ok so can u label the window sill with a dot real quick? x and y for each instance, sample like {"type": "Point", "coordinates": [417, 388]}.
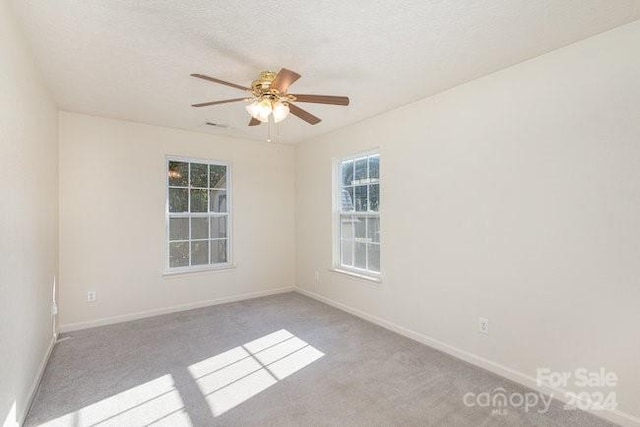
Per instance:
{"type": "Point", "coordinates": [354, 275]}
{"type": "Point", "coordinates": [197, 271]}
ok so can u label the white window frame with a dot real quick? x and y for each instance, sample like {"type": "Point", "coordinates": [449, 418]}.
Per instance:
{"type": "Point", "coordinates": [229, 214]}
{"type": "Point", "coordinates": [337, 214]}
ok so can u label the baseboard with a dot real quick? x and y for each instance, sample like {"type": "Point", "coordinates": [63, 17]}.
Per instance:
{"type": "Point", "coordinates": [173, 309]}
{"type": "Point", "coordinates": [36, 382]}
{"type": "Point", "coordinates": [614, 416]}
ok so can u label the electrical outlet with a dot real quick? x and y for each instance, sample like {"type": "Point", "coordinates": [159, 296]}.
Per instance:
{"type": "Point", "coordinates": [483, 326]}
{"type": "Point", "coordinates": [317, 276]}
{"type": "Point", "coordinates": [91, 296]}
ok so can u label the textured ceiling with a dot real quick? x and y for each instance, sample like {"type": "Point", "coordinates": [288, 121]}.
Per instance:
{"type": "Point", "coordinates": [131, 59]}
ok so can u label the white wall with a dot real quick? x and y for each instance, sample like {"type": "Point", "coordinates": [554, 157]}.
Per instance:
{"type": "Point", "coordinates": [514, 197]}
{"type": "Point", "coordinates": [28, 220]}
{"type": "Point", "coordinates": [112, 220]}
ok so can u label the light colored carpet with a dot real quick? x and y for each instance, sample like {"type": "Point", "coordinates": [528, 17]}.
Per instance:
{"type": "Point", "coordinates": [274, 361]}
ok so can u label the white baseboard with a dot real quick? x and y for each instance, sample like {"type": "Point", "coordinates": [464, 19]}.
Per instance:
{"type": "Point", "coordinates": [173, 309]}
{"type": "Point", "coordinates": [36, 381]}
{"type": "Point", "coordinates": [614, 416]}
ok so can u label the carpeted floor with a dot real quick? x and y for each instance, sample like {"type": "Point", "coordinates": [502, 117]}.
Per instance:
{"type": "Point", "coordinates": [273, 361]}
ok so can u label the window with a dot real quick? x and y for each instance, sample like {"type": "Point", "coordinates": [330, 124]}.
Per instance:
{"type": "Point", "coordinates": [357, 201]}
{"type": "Point", "coordinates": [197, 212]}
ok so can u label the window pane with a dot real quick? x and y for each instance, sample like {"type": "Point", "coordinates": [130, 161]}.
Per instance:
{"type": "Point", "coordinates": [218, 176]}
{"type": "Point", "coordinates": [198, 200]}
{"type": "Point", "coordinates": [374, 197]}
{"type": "Point", "coordinates": [178, 200]}
{"type": "Point", "coordinates": [178, 254]}
{"type": "Point", "coordinates": [373, 255]}
{"type": "Point", "coordinates": [218, 227]}
{"type": "Point", "coordinates": [347, 199]}
{"type": "Point", "coordinates": [178, 174]}
{"type": "Point", "coordinates": [218, 251]}
{"type": "Point", "coordinates": [360, 227]}
{"type": "Point", "coordinates": [218, 201]}
{"type": "Point", "coordinates": [179, 229]}
{"type": "Point", "coordinates": [200, 228]}
{"type": "Point", "coordinates": [360, 255]}
{"type": "Point", "coordinates": [347, 172]}
{"type": "Point", "coordinates": [346, 253]}
{"type": "Point", "coordinates": [346, 231]}
{"type": "Point", "coordinates": [361, 198]}
{"type": "Point", "coordinates": [200, 252]}
{"type": "Point", "coordinates": [373, 229]}
{"type": "Point", "coordinates": [199, 175]}
{"type": "Point", "coordinates": [361, 169]}
{"type": "Point", "coordinates": [374, 167]}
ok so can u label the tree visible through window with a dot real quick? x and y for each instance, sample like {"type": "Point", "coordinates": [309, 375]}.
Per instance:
{"type": "Point", "coordinates": [358, 216]}
{"type": "Point", "coordinates": [197, 213]}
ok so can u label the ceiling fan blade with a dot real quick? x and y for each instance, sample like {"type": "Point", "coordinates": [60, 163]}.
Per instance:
{"type": "Point", "coordinates": [323, 99]}
{"type": "Point", "coordinates": [224, 101]}
{"type": "Point", "coordinates": [254, 122]}
{"type": "Point", "coordinates": [284, 79]}
{"type": "Point", "coordinates": [222, 82]}
{"type": "Point", "coordinates": [304, 115]}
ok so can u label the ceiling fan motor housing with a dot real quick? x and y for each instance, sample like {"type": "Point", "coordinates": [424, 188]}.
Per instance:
{"type": "Point", "coordinates": [262, 85]}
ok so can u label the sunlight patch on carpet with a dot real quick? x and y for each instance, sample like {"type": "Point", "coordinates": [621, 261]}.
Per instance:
{"type": "Point", "coordinates": [155, 403]}
{"type": "Point", "coordinates": [233, 377]}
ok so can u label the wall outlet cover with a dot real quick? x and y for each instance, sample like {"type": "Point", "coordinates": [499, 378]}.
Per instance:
{"type": "Point", "coordinates": [483, 325]}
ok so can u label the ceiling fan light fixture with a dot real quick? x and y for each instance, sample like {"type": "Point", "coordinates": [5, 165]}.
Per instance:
{"type": "Point", "coordinates": [280, 111]}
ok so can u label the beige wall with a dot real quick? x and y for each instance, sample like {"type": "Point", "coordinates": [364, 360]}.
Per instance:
{"type": "Point", "coordinates": [28, 220]}
{"type": "Point", "coordinates": [112, 220]}
{"type": "Point", "coordinates": [514, 197]}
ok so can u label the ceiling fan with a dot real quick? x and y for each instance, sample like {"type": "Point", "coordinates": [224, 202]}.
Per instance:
{"type": "Point", "coordinates": [269, 97]}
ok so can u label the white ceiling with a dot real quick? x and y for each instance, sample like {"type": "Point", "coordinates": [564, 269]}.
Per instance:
{"type": "Point", "coordinates": [131, 59]}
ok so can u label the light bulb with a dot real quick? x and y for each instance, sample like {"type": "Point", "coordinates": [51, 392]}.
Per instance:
{"type": "Point", "coordinates": [280, 111]}
{"type": "Point", "coordinates": [264, 110]}
{"type": "Point", "coordinates": [254, 109]}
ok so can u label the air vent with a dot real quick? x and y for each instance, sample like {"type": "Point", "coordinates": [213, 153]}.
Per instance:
{"type": "Point", "coordinates": [217, 125]}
